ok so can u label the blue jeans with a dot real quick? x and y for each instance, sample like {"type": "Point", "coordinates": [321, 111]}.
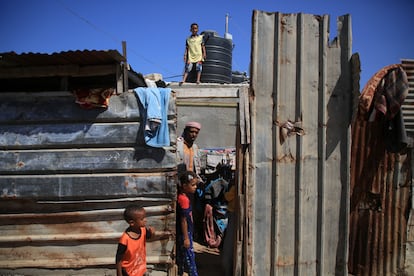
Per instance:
{"type": "Point", "coordinates": [189, 67]}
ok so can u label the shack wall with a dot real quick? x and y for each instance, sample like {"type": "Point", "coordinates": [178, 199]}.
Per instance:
{"type": "Point", "coordinates": [301, 109]}
{"type": "Point", "coordinates": [216, 107]}
{"type": "Point", "coordinates": [408, 108]}
{"type": "Point", "coordinates": [66, 175]}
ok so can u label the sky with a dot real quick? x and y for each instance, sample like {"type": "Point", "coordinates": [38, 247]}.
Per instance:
{"type": "Point", "coordinates": [155, 31]}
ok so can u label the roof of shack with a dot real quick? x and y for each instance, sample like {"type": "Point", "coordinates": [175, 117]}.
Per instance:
{"type": "Point", "coordinates": [40, 71]}
{"type": "Point", "coordinates": [85, 57]}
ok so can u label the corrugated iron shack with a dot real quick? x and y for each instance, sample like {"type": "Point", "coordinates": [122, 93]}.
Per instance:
{"type": "Point", "coordinates": [71, 160]}
{"type": "Point", "coordinates": [381, 223]}
{"type": "Point", "coordinates": [310, 202]}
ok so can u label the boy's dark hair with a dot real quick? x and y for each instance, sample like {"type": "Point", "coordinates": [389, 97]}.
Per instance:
{"type": "Point", "coordinates": [186, 177]}
{"type": "Point", "coordinates": [130, 210]}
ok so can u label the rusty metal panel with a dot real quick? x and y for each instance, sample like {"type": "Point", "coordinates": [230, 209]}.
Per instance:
{"type": "Point", "coordinates": [380, 187]}
{"type": "Point", "coordinates": [299, 175]}
{"type": "Point", "coordinates": [408, 112]}
{"type": "Point", "coordinates": [66, 175]}
{"type": "Point", "coordinates": [408, 105]}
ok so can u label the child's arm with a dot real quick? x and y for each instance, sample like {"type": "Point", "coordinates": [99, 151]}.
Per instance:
{"type": "Point", "coordinates": [118, 269]}
{"type": "Point", "coordinates": [185, 232]}
{"type": "Point", "coordinates": [151, 233]}
{"type": "Point", "coordinates": [154, 234]}
{"type": "Point", "coordinates": [203, 48]}
{"type": "Point", "coordinates": [118, 259]}
{"type": "Point", "coordinates": [185, 53]}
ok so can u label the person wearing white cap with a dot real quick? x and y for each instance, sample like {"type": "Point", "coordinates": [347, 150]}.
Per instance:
{"type": "Point", "coordinates": [187, 150]}
{"type": "Point", "coordinates": [188, 159]}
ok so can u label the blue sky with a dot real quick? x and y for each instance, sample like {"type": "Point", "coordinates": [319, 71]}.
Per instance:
{"type": "Point", "coordinates": [155, 31]}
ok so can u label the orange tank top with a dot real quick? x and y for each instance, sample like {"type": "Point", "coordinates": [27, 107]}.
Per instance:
{"type": "Point", "coordinates": [134, 261]}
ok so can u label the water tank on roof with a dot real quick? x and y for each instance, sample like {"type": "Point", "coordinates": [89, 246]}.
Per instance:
{"type": "Point", "coordinates": [217, 67]}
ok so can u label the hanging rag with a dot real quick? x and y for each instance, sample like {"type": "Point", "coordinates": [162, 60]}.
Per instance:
{"type": "Point", "coordinates": [154, 109]}
{"type": "Point", "coordinates": [386, 93]}
{"type": "Point", "coordinates": [212, 238]}
{"type": "Point", "coordinates": [89, 98]}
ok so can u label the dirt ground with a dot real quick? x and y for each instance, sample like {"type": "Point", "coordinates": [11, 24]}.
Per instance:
{"type": "Point", "coordinates": [208, 260]}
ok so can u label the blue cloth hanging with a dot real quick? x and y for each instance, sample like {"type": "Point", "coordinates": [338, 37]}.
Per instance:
{"type": "Point", "coordinates": [155, 103]}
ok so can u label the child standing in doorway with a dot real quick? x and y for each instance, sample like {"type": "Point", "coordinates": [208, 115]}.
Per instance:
{"type": "Point", "coordinates": [185, 250]}
{"type": "Point", "coordinates": [131, 252]}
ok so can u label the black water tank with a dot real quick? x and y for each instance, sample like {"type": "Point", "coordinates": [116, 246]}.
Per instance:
{"type": "Point", "coordinates": [217, 67]}
{"type": "Point", "coordinates": [239, 77]}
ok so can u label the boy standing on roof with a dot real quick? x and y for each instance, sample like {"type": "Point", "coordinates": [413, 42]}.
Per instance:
{"type": "Point", "coordinates": [195, 53]}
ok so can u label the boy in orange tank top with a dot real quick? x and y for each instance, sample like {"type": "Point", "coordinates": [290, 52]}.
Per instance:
{"type": "Point", "coordinates": [131, 252]}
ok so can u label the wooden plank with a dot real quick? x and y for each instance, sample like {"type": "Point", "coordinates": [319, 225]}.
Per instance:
{"type": "Point", "coordinates": [140, 159]}
{"type": "Point", "coordinates": [202, 91]}
{"type": "Point", "coordinates": [244, 116]}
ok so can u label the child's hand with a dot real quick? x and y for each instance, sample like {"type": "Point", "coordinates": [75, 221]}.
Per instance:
{"type": "Point", "coordinates": [187, 243]}
{"type": "Point", "coordinates": [171, 235]}
{"type": "Point", "coordinates": [152, 231]}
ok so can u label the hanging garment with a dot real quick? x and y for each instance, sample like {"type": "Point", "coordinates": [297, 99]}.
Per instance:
{"type": "Point", "coordinates": [154, 111]}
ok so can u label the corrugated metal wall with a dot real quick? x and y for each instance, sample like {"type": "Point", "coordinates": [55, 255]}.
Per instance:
{"type": "Point", "coordinates": [298, 188]}
{"type": "Point", "coordinates": [66, 175]}
{"type": "Point", "coordinates": [408, 105]}
{"type": "Point", "coordinates": [380, 186]}
{"type": "Point", "coordinates": [408, 111]}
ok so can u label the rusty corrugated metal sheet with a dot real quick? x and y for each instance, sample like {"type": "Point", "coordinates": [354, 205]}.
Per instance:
{"type": "Point", "coordinates": [297, 192]}
{"type": "Point", "coordinates": [66, 175]}
{"type": "Point", "coordinates": [408, 111]}
{"type": "Point", "coordinates": [380, 188]}
{"type": "Point", "coordinates": [408, 105]}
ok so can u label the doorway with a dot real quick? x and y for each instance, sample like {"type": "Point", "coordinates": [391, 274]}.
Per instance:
{"type": "Point", "coordinates": [221, 111]}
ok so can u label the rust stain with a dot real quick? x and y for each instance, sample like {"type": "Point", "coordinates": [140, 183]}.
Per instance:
{"type": "Point", "coordinates": [285, 261]}
{"type": "Point", "coordinates": [378, 204]}
{"type": "Point", "coordinates": [287, 158]}
{"type": "Point", "coordinates": [20, 164]}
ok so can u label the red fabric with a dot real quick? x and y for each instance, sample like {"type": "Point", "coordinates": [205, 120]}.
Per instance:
{"type": "Point", "coordinates": [134, 260]}
{"type": "Point", "coordinates": [212, 239]}
{"type": "Point", "coordinates": [183, 201]}
{"type": "Point", "coordinates": [93, 98]}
